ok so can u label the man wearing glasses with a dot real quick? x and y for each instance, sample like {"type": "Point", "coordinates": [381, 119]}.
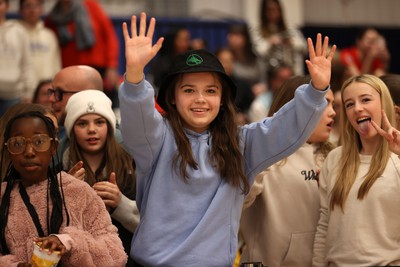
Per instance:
{"type": "Point", "coordinates": [67, 82]}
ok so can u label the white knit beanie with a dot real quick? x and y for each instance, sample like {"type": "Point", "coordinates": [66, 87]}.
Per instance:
{"type": "Point", "coordinates": [88, 102]}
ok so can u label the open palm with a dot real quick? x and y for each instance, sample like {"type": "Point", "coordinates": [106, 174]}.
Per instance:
{"type": "Point", "coordinates": [139, 49]}
{"type": "Point", "coordinates": [319, 64]}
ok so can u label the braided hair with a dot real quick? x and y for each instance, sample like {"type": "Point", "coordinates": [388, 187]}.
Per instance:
{"type": "Point", "coordinates": [55, 193]}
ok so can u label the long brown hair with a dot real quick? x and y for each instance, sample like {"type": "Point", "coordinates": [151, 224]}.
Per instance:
{"type": "Point", "coordinates": [225, 150]}
{"type": "Point", "coordinates": [350, 160]}
{"type": "Point", "coordinates": [116, 159]}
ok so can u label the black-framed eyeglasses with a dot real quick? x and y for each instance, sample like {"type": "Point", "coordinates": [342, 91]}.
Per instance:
{"type": "Point", "coordinates": [17, 144]}
{"type": "Point", "coordinates": [58, 93]}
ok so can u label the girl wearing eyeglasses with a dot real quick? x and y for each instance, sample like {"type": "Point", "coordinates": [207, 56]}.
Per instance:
{"type": "Point", "coordinates": [58, 211]}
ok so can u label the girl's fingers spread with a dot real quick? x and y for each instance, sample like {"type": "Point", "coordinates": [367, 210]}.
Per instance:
{"type": "Point", "coordinates": [311, 51]}
{"type": "Point", "coordinates": [125, 31]}
{"type": "Point", "coordinates": [150, 31]}
{"type": "Point", "coordinates": [381, 132]}
{"type": "Point", "coordinates": [386, 122]}
{"type": "Point", "coordinates": [142, 26]}
{"type": "Point", "coordinates": [377, 128]}
{"type": "Point", "coordinates": [309, 66]}
{"type": "Point", "coordinates": [133, 26]}
{"type": "Point", "coordinates": [325, 46]}
{"type": "Point", "coordinates": [332, 52]}
{"type": "Point", "coordinates": [158, 45]}
{"type": "Point", "coordinates": [318, 45]}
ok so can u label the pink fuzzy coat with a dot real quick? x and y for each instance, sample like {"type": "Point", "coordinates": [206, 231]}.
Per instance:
{"type": "Point", "coordinates": [90, 239]}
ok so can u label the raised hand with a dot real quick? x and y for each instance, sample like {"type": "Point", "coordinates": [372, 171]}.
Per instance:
{"type": "Point", "coordinates": [319, 64]}
{"type": "Point", "coordinates": [139, 49]}
{"type": "Point", "coordinates": [109, 192]}
{"type": "Point", "coordinates": [390, 133]}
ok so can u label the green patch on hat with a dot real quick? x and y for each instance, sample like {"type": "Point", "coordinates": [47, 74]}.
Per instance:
{"type": "Point", "coordinates": [193, 60]}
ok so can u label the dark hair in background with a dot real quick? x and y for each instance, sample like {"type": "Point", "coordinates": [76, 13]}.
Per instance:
{"type": "Point", "coordinates": [338, 75]}
{"type": "Point", "coordinates": [273, 72]}
{"type": "Point", "coordinates": [392, 81]}
{"type": "Point", "coordinates": [248, 49]}
{"type": "Point", "coordinates": [168, 47]}
{"type": "Point", "coordinates": [225, 150]}
{"type": "Point", "coordinates": [264, 19]}
{"type": "Point", "coordinates": [362, 31]}
{"type": "Point", "coordinates": [21, 2]}
{"type": "Point", "coordinates": [286, 92]}
{"type": "Point", "coordinates": [55, 191]}
{"type": "Point", "coordinates": [37, 89]}
{"type": "Point", "coordinates": [162, 62]}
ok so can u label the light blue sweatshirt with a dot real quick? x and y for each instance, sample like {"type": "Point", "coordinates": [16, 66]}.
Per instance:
{"type": "Point", "coordinates": [195, 223]}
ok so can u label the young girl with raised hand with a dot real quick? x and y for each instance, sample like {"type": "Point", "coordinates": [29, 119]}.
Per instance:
{"type": "Point", "coordinates": [195, 165]}
{"type": "Point", "coordinates": [61, 212]}
{"type": "Point", "coordinates": [359, 182]}
{"type": "Point", "coordinates": [90, 125]}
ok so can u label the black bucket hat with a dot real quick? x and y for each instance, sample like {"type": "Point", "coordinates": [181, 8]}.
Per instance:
{"type": "Point", "coordinates": [190, 62]}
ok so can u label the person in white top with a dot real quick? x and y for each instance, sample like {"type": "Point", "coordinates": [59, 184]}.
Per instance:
{"type": "Point", "coordinates": [282, 209]}
{"type": "Point", "coordinates": [17, 79]}
{"type": "Point", "coordinates": [44, 50]}
{"type": "Point", "coordinates": [359, 221]}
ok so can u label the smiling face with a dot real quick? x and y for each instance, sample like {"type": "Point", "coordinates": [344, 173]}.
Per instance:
{"type": "Point", "coordinates": [31, 164]}
{"type": "Point", "coordinates": [91, 133]}
{"type": "Point", "coordinates": [198, 99]}
{"type": "Point", "coordinates": [324, 127]}
{"type": "Point", "coordinates": [362, 104]}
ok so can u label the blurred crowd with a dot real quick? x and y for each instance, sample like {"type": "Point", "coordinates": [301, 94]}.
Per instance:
{"type": "Point", "coordinates": [63, 59]}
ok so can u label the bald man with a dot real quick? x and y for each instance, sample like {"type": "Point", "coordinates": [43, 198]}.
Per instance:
{"type": "Point", "coordinates": [69, 81]}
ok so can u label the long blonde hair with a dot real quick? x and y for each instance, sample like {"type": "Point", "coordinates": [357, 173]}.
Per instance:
{"type": "Point", "coordinates": [350, 160]}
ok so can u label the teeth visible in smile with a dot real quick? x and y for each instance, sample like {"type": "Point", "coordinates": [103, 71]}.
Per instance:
{"type": "Point", "coordinates": [198, 109]}
{"type": "Point", "coordinates": [363, 119]}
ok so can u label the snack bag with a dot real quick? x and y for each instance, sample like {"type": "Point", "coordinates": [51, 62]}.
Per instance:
{"type": "Point", "coordinates": [42, 258]}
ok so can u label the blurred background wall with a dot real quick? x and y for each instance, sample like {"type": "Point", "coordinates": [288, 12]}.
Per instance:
{"type": "Point", "coordinates": [209, 19]}
{"type": "Point", "coordinates": [300, 12]}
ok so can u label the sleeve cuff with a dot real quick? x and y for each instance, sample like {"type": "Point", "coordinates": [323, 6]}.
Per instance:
{"type": "Point", "coordinates": [127, 213]}
{"type": "Point", "coordinates": [66, 240]}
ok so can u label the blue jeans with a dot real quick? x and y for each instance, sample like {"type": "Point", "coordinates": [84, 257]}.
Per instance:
{"type": "Point", "coordinates": [7, 103]}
